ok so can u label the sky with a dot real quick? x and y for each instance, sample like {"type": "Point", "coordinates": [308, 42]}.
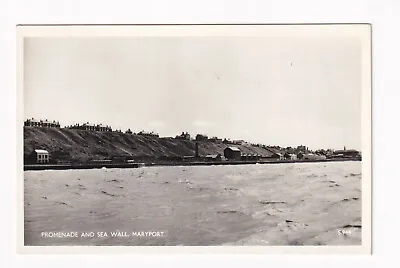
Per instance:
{"type": "Point", "coordinates": [285, 91]}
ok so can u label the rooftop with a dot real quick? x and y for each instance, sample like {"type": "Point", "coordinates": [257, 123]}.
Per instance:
{"type": "Point", "coordinates": [234, 149]}
{"type": "Point", "coordinates": [89, 124]}
{"type": "Point", "coordinates": [40, 151]}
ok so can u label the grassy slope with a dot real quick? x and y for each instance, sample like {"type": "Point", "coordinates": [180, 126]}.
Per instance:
{"type": "Point", "coordinates": [81, 145]}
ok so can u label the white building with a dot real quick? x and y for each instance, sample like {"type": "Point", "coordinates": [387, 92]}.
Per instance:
{"type": "Point", "coordinates": [42, 156]}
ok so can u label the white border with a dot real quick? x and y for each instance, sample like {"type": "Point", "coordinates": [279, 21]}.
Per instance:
{"type": "Point", "coordinates": [361, 31]}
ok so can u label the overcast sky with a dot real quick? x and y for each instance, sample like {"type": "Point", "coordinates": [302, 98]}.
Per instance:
{"type": "Point", "coordinates": [282, 91]}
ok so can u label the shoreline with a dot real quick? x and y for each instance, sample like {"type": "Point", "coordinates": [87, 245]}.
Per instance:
{"type": "Point", "coordinates": [33, 167]}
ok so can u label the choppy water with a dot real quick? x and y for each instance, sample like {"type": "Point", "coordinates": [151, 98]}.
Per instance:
{"type": "Point", "coordinates": [280, 204]}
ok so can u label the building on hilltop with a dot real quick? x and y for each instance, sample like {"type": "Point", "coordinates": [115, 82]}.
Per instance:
{"type": "Point", "coordinates": [183, 136]}
{"type": "Point", "coordinates": [232, 153]}
{"type": "Point", "coordinates": [201, 137]}
{"type": "Point", "coordinates": [215, 139]}
{"type": "Point", "coordinates": [76, 126]}
{"type": "Point", "coordinates": [47, 123]}
{"type": "Point", "coordinates": [228, 141]}
{"type": "Point", "coordinates": [32, 123]}
{"type": "Point", "coordinates": [148, 134]}
{"type": "Point", "coordinates": [41, 123]}
{"type": "Point", "coordinates": [102, 128]}
{"type": "Point", "coordinates": [88, 126]}
{"type": "Point", "coordinates": [91, 127]}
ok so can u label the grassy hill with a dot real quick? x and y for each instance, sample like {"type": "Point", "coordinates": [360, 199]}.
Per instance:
{"type": "Point", "coordinates": [83, 145]}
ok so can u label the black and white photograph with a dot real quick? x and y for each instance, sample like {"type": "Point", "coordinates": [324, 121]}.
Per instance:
{"type": "Point", "coordinates": [196, 135]}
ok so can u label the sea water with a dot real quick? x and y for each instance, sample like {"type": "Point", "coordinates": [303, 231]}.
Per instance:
{"type": "Point", "coordinates": [269, 204]}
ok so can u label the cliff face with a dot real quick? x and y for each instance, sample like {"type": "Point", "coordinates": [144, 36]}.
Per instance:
{"type": "Point", "coordinates": [84, 145]}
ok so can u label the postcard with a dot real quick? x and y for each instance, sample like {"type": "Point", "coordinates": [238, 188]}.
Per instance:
{"type": "Point", "coordinates": [194, 138]}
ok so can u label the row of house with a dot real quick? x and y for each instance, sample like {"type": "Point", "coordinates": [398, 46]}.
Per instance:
{"type": "Point", "coordinates": [198, 137]}
{"type": "Point", "coordinates": [85, 126]}
{"type": "Point", "coordinates": [32, 122]}
{"type": "Point", "coordinates": [141, 133]}
{"type": "Point", "coordinates": [106, 128]}
{"type": "Point", "coordinates": [91, 127]}
{"type": "Point", "coordinates": [148, 134]}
